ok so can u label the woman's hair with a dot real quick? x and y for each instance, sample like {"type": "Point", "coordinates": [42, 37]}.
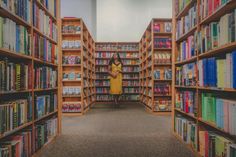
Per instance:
{"type": "Point", "coordinates": [112, 60]}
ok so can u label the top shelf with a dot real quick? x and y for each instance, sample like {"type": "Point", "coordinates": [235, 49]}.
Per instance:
{"type": "Point", "coordinates": [47, 12]}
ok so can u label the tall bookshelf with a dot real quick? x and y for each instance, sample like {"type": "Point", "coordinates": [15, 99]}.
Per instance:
{"type": "Point", "coordinates": [129, 54]}
{"type": "Point", "coordinates": [155, 68]}
{"type": "Point", "coordinates": [204, 93]}
{"type": "Point", "coordinates": [78, 67]}
{"type": "Point", "coordinates": [29, 70]}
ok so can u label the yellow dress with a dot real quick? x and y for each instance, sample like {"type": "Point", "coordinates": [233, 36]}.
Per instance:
{"type": "Point", "coordinates": [116, 83]}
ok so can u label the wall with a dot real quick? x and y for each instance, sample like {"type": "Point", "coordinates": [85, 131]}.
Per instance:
{"type": "Point", "coordinates": [126, 20]}
{"type": "Point", "coordinates": [85, 9]}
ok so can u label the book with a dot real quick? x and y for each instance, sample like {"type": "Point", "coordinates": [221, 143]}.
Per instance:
{"type": "Point", "coordinates": [44, 132]}
{"type": "Point", "coordinates": [73, 29]}
{"type": "Point", "coordinates": [162, 105]}
{"type": "Point", "coordinates": [71, 60]}
{"type": "Point", "coordinates": [180, 5]}
{"type": "Point", "coordinates": [45, 77]}
{"type": "Point", "coordinates": [72, 76]}
{"type": "Point", "coordinates": [186, 75]}
{"type": "Point", "coordinates": [186, 101]}
{"type": "Point", "coordinates": [50, 5]}
{"type": "Point", "coordinates": [14, 76]}
{"type": "Point", "coordinates": [71, 107]}
{"type": "Point", "coordinates": [14, 114]}
{"type": "Point", "coordinates": [162, 42]}
{"type": "Point", "coordinates": [71, 44]}
{"type": "Point", "coordinates": [17, 145]}
{"type": "Point", "coordinates": [45, 104]}
{"type": "Point", "coordinates": [14, 37]}
{"type": "Point", "coordinates": [187, 22]}
{"type": "Point", "coordinates": [212, 144]}
{"type": "Point", "coordinates": [187, 49]}
{"type": "Point", "coordinates": [19, 8]}
{"type": "Point", "coordinates": [187, 130]}
{"type": "Point", "coordinates": [162, 57]}
{"type": "Point", "coordinates": [44, 49]}
{"type": "Point", "coordinates": [44, 23]}
{"type": "Point", "coordinates": [71, 90]}
{"type": "Point", "coordinates": [162, 89]}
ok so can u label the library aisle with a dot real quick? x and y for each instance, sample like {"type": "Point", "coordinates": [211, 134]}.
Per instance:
{"type": "Point", "coordinates": [107, 132]}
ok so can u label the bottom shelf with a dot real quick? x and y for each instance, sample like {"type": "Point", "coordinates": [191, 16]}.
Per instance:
{"type": "Point", "coordinates": [71, 114]}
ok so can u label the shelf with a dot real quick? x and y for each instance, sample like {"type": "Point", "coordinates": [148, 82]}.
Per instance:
{"type": "Point", "coordinates": [36, 60]}
{"type": "Point", "coordinates": [71, 80]}
{"type": "Point", "coordinates": [162, 49]}
{"type": "Point", "coordinates": [220, 50]}
{"type": "Point", "coordinates": [193, 59]}
{"type": "Point", "coordinates": [186, 35]}
{"type": "Point", "coordinates": [162, 33]}
{"type": "Point", "coordinates": [15, 92]}
{"type": "Point", "coordinates": [47, 89]}
{"type": "Point", "coordinates": [186, 87]}
{"type": "Point", "coordinates": [69, 50]}
{"type": "Point", "coordinates": [15, 55]}
{"type": "Point", "coordinates": [71, 96]}
{"type": "Point", "coordinates": [217, 89]}
{"type": "Point", "coordinates": [45, 116]}
{"type": "Point", "coordinates": [162, 80]}
{"type": "Point", "coordinates": [186, 114]}
{"type": "Point", "coordinates": [15, 130]}
{"type": "Point", "coordinates": [72, 114]}
{"type": "Point", "coordinates": [43, 35]}
{"type": "Point", "coordinates": [47, 12]}
{"type": "Point", "coordinates": [185, 10]}
{"type": "Point", "coordinates": [162, 95]}
{"type": "Point", "coordinates": [5, 13]}
{"type": "Point", "coordinates": [71, 34]}
{"type": "Point", "coordinates": [222, 10]}
{"type": "Point", "coordinates": [72, 65]}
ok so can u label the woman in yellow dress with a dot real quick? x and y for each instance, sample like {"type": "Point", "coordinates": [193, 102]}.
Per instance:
{"type": "Point", "coordinates": [115, 72]}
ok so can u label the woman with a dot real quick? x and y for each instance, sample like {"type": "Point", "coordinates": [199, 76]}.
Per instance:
{"type": "Point", "coordinates": [115, 72]}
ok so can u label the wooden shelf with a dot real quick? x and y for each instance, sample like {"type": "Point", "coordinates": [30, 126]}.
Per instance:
{"type": "Point", "coordinates": [43, 35]}
{"type": "Point", "coordinates": [70, 50]}
{"type": "Point", "coordinates": [193, 59]}
{"type": "Point", "coordinates": [45, 116]}
{"type": "Point", "coordinates": [36, 60]}
{"type": "Point", "coordinates": [15, 55]}
{"type": "Point", "coordinates": [186, 9]}
{"type": "Point", "coordinates": [47, 12]}
{"type": "Point", "coordinates": [186, 35]}
{"type": "Point", "coordinates": [186, 114]}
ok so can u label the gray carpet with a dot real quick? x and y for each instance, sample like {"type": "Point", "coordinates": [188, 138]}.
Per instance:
{"type": "Point", "coordinates": [125, 132]}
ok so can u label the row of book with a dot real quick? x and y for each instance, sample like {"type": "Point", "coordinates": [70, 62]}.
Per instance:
{"type": "Point", "coordinates": [102, 83]}
{"type": "Point", "coordinates": [101, 90]}
{"type": "Point", "coordinates": [126, 69]}
{"type": "Point", "coordinates": [71, 60]}
{"type": "Point", "coordinates": [71, 107]}
{"type": "Point", "coordinates": [217, 33]}
{"type": "Point", "coordinates": [218, 72]}
{"type": "Point", "coordinates": [72, 76]}
{"type": "Point", "coordinates": [162, 89]}
{"type": "Point", "coordinates": [44, 132]}
{"type": "Point", "coordinates": [186, 75]}
{"type": "Point", "coordinates": [186, 101]}
{"type": "Point", "coordinates": [51, 6]}
{"type": "Point", "coordinates": [130, 83]}
{"type": "Point", "coordinates": [211, 144]}
{"type": "Point", "coordinates": [221, 112]}
{"type": "Point", "coordinates": [162, 27]}
{"type": "Point", "coordinates": [180, 5]}
{"type": "Point", "coordinates": [20, 8]}
{"type": "Point", "coordinates": [14, 76]}
{"type": "Point", "coordinates": [123, 98]}
{"type": "Point", "coordinates": [162, 105]}
{"type": "Point", "coordinates": [71, 28]}
{"type": "Point", "coordinates": [163, 74]}
{"type": "Point", "coordinates": [71, 44]}
{"type": "Point", "coordinates": [43, 22]}
{"type": "Point", "coordinates": [208, 7]}
{"type": "Point", "coordinates": [162, 43]}
{"type": "Point", "coordinates": [45, 104]}
{"type": "Point", "coordinates": [162, 57]}
{"type": "Point", "coordinates": [130, 76]}
{"type": "Point", "coordinates": [45, 77]}
{"type": "Point", "coordinates": [21, 144]}
{"type": "Point", "coordinates": [186, 23]}
{"type": "Point", "coordinates": [15, 114]}
{"type": "Point", "coordinates": [14, 37]}
{"type": "Point", "coordinates": [186, 130]}
{"type": "Point", "coordinates": [125, 62]}
{"type": "Point", "coordinates": [71, 90]}
{"type": "Point", "coordinates": [44, 49]}
{"type": "Point", "coordinates": [131, 90]}
{"type": "Point", "coordinates": [187, 48]}
{"type": "Point", "coordinates": [122, 55]}
{"type": "Point", "coordinates": [119, 47]}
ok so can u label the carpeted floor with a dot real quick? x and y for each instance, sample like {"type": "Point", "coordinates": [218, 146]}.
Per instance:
{"type": "Point", "coordinates": [125, 132]}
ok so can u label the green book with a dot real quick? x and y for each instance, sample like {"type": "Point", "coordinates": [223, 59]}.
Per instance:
{"type": "Point", "coordinates": [214, 34]}
{"type": "Point", "coordinates": [221, 145]}
{"type": "Point", "coordinates": [211, 109]}
{"type": "Point", "coordinates": [1, 32]}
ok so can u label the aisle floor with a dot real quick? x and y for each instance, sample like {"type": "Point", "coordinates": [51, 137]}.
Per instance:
{"type": "Point", "coordinates": [109, 132]}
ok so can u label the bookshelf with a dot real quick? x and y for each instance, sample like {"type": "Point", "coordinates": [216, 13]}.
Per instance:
{"type": "Point", "coordinates": [78, 67]}
{"type": "Point", "coordinates": [29, 75]}
{"type": "Point", "coordinates": [156, 66]}
{"type": "Point", "coordinates": [129, 54]}
{"type": "Point", "coordinates": [204, 75]}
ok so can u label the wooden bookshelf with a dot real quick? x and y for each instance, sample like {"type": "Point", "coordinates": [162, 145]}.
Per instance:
{"type": "Point", "coordinates": [151, 53]}
{"type": "Point", "coordinates": [33, 62]}
{"type": "Point", "coordinates": [81, 71]}
{"type": "Point", "coordinates": [223, 93]}
{"type": "Point", "coordinates": [129, 54]}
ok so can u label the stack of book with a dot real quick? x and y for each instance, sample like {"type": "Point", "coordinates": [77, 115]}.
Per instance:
{"type": "Point", "coordinates": [186, 75]}
{"type": "Point", "coordinates": [73, 107]}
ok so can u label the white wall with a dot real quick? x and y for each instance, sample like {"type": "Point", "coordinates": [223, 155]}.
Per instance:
{"type": "Point", "coordinates": [126, 20]}
{"type": "Point", "coordinates": [85, 9]}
